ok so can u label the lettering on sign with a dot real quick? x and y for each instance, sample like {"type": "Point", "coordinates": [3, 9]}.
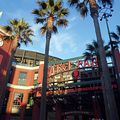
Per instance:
{"type": "Point", "coordinates": [62, 67]}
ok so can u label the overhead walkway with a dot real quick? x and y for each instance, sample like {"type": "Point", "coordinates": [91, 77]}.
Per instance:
{"type": "Point", "coordinates": [64, 88]}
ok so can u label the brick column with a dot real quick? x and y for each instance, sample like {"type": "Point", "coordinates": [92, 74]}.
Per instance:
{"type": "Point", "coordinates": [23, 107]}
{"type": "Point", "coordinates": [58, 113]}
{"type": "Point", "coordinates": [9, 105]}
{"type": "Point", "coordinates": [36, 110]}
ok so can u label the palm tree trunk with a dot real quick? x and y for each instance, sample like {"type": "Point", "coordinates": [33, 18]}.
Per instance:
{"type": "Point", "coordinates": [113, 57]}
{"type": "Point", "coordinates": [99, 65]}
{"type": "Point", "coordinates": [44, 82]}
{"type": "Point", "coordinates": [15, 43]}
{"type": "Point", "coordinates": [108, 94]}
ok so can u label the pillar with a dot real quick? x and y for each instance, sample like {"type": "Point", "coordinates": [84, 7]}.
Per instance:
{"type": "Point", "coordinates": [58, 112]}
{"type": "Point", "coordinates": [23, 107]}
{"type": "Point", "coordinates": [9, 105]}
{"type": "Point", "coordinates": [35, 110]}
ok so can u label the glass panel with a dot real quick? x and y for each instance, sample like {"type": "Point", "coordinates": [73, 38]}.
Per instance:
{"type": "Point", "coordinates": [17, 102]}
{"type": "Point", "coordinates": [22, 78]}
{"type": "Point", "coordinates": [36, 78]}
{"type": "Point", "coordinates": [30, 101]}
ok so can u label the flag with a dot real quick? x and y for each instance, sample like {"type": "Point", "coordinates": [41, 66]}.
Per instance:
{"type": "Point", "coordinates": [1, 13]}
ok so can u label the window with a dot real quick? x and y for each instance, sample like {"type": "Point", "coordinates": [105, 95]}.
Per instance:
{"type": "Point", "coordinates": [36, 78]}
{"type": "Point", "coordinates": [22, 78]}
{"type": "Point", "coordinates": [37, 62]}
{"type": "Point", "coordinates": [30, 101]}
{"type": "Point", "coordinates": [17, 102]}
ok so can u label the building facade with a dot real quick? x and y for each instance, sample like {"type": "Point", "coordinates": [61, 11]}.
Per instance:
{"type": "Point", "coordinates": [74, 89]}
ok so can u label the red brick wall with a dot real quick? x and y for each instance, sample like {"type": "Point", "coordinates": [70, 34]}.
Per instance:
{"type": "Point", "coordinates": [5, 53]}
{"type": "Point", "coordinates": [29, 82]}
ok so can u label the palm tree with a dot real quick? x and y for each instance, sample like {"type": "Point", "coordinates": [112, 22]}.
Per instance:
{"type": "Point", "coordinates": [92, 51]}
{"type": "Point", "coordinates": [116, 36]}
{"type": "Point", "coordinates": [109, 99]}
{"type": "Point", "coordinates": [51, 14]}
{"type": "Point", "coordinates": [20, 32]}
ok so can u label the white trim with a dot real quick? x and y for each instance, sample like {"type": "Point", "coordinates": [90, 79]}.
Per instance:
{"type": "Point", "coordinates": [26, 67]}
{"type": "Point", "coordinates": [41, 62]}
{"type": "Point", "coordinates": [1, 42]}
{"type": "Point", "coordinates": [3, 32]}
{"type": "Point", "coordinates": [23, 87]}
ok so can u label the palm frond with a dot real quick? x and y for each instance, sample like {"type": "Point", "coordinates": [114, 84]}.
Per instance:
{"type": "Point", "coordinates": [7, 29]}
{"type": "Point", "coordinates": [73, 2]}
{"type": "Point", "coordinates": [40, 20]}
{"type": "Point", "coordinates": [106, 47]}
{"type": "Point", "coordinates": [14, 22]}
{"type": "Point", "coordinates": [63, 12]}
{"type": "Point", "coordinates": [114, 42]}
{"type": "Point", "coordinates": [58, 3]}
{"type": "Point", "coordinates": [19, 27]}
{"type": "Point", "coordinates": [95, 44]}
{"type": "Point", "coordinates": [92, 50]}
{"type": "Point", "coordinates": [56, 8]}
{"type": "Point", "coordinates": [108, 53]}
{"type": "Point", "coordinates": [118, 30]}
{"type": "Point", "coordinates": [18, 45]}
{"type": "Point", "coordinates": [62, 22]}
{"type": "Point", "coordinates": [27, 33]}
{"type": "Point", "coordinates": [90, 47]}
{"type": "Point", "coordinates": [55, 29]}
{"type": "Point", "coordinates": [114, 35]}
{"type": "Point", "coordinates": [43, 30]}
{"type": "Point", "coordinates": [87, 55]}
{"type": "Point", "coordinates": [35, 11]}
{"type": "Point", "coordinates": [53, 9]}
{"type": "Point", "coordinates": [39, 12]}
{"type": "Point", "coordinates": [51, 3]}
{"type": "Point", "coordinates": [8, 37]}
{"type": "Point", "coordinates": [26, 41]}
{"type": "Point", "coordinates": [106, 2]}
{"type": "Point", "coordinates": [82, 8]}
{"type": "Point", "coordinates": [42, 4]}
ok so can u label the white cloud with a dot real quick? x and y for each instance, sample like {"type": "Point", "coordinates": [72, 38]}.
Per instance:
{"type": "Point", "coordinates": [71, 22]}
{"type": "Point", "coordinates": [73, 18]}
{"type": "Point", "coordinates": [1, 13]}
{"type": "Point", "coordinates": [62, 44]}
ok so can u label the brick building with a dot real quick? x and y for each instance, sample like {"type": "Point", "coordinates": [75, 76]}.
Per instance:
{"type": "Point", "coordinates": [74, 88]}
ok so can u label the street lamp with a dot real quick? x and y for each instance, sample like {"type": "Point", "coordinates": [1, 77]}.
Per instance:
{"type": "Point", "coordinates": [106, 12]}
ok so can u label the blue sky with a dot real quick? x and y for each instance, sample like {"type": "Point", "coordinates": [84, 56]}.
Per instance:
{"type": "Point", "coordinates": [69, 42]}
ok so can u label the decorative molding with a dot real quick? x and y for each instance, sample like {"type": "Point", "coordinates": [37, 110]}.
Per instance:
{"type": "Point", "coordinates": [23, 87]}
{"type": "Point", "coordinates": [26, 67]}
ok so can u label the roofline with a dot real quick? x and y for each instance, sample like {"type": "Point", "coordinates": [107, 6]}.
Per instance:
{"type": "Point", "coordinates": [39, 53]}
{"type": "Point", "coordinates": [3, 32]}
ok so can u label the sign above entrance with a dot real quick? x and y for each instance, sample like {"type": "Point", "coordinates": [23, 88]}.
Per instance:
{"type": "Point", "coordinates": [70, 65]}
